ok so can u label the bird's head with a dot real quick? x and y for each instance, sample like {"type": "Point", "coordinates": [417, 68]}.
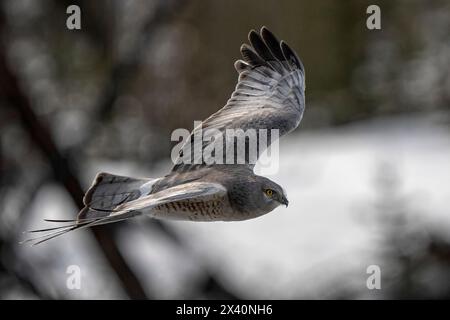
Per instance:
{"type": "Point", "coordinates": [273, 194]}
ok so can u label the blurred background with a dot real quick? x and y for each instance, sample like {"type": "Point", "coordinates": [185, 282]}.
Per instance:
{"type": "Point", "coordinates": [367, 173]}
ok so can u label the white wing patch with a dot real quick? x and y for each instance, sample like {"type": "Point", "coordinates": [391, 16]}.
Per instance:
{"type": "Point", "coordinates": [147, 187]}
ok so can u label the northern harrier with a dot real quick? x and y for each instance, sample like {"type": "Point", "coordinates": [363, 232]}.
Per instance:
{"type": "Point", "coordinates": [270, 94]}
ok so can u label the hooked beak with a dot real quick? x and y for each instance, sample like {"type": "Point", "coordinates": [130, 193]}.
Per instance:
{"type": "Point", "coordinates": [285, 201]}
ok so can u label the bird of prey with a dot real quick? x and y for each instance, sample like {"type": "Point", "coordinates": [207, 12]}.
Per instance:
{"type": "Point", "coordinates": [270, 94]}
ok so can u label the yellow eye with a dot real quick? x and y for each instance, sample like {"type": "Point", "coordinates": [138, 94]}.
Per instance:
{"type": "Point", "coordinates": [269, 192]}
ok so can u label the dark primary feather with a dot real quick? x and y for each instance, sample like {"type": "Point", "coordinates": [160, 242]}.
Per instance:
{"type": "Point", "coordinates": [264, 51]}
{"type": "Point", "coordinates": [260, 47]}
{"type": "Point", "coordinates": [272, 43]}
{"type": "Point", "coordinates": [291, 56]}
{"type": "Point", "coordinates": [251, 57]}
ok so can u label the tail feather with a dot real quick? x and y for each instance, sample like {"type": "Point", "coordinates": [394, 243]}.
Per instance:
{"type": "Point", "coordinates": [60, 230]}
{"type": "Point", "coordinates": [109, 190]}
{"type": "Point", "coordinates": [55, 232]}
{"type": "Point", "coordinates": [106, 193]}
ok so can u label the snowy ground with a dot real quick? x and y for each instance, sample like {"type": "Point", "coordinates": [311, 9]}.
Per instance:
{"type": "Point", "coordinates": [331, 180]}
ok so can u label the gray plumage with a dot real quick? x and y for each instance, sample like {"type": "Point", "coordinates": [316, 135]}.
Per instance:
{"type": "Point", "coordinates": [269, 95]}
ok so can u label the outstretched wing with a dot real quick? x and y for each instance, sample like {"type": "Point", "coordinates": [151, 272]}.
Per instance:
{"type": "Point", "coordinates": [192, 190]}
{"type": "Point", "coordinates": [270, 94]}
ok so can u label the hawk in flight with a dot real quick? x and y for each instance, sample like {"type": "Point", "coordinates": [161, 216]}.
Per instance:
{"type": "Point", "coordinates": [270, 94]}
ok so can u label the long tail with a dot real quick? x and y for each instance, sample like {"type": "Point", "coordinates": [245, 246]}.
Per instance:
{"type": "Point", "coordinates": [106, 193]}
{"type": "Point", "coordinates": [54, 232]}
{"type": "Point", "coordinates": [50, 233]}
